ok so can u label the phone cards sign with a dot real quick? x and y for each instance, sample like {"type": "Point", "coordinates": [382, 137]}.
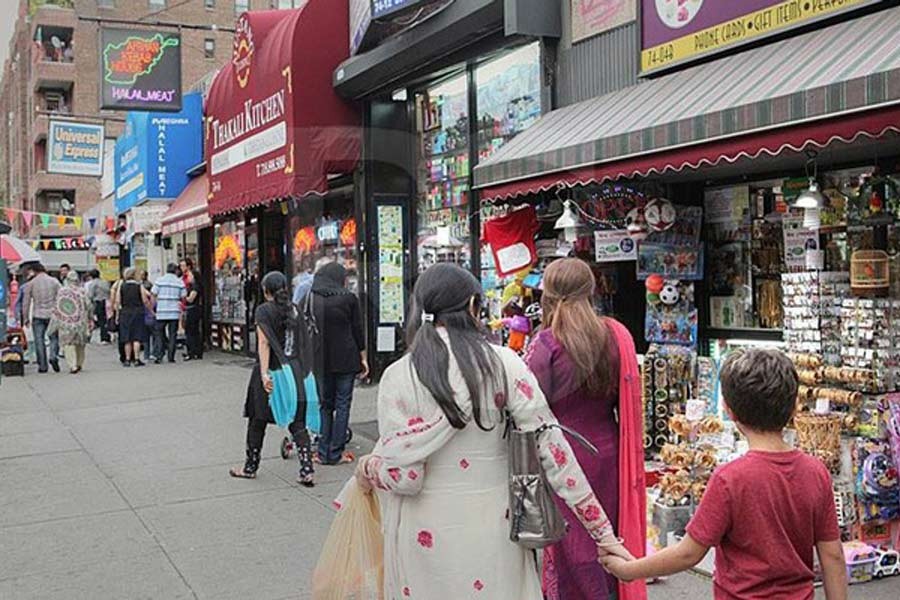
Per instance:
{"type": "Point", "coordinates": [75, 149]}
{"type": "Point", "coordinates": [614, 246]}
{"type": "Point", "coordinates": [140, 69]}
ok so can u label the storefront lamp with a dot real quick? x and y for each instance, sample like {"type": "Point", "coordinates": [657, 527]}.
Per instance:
{"type": "Point", "coordinates": [569, 221]}
{"type": "Point", "coordinates": [811, 198]}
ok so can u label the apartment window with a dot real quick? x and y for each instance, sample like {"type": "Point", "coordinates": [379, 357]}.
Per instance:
{"type": "Point", "coordinates": [241, 6]}
{"type": "Point", "coordinates": [209, 3]}
{"type": "Point", "coordinates": [209, 48]}
{"type": "Point", "coordinates": [157, 3]}
{"type": "Point", "coordinates": [284, 4]}
{"type": "Point", "coordinates": [106, 3]}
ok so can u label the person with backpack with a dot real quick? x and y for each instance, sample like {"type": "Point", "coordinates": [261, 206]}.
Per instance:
{"type": "Point", "coordinates": [280, 334]}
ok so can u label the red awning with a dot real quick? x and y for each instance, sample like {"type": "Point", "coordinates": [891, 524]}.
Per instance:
{"type": "Point", "coordinates": [190, 210]}
{"type": "Point", "coordinates": [819, 134]}
{"type": "Point", "coordinates": [275, 127]}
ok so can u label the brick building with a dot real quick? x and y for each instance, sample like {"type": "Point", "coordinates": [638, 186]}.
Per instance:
{"type": "Point", "coordinates": [53, 72]}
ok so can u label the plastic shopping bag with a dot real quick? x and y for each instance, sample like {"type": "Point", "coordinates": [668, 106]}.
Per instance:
{"type": "Point", "coordinates": [283, 399]}
{"type": "Point", "coordinates": [351, 566]}
{"type": "Point", "coordinates": [313, 418]}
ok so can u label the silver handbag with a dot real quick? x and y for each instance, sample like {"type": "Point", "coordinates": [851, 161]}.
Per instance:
{"type": "Point", "coordinates": [535, 520]}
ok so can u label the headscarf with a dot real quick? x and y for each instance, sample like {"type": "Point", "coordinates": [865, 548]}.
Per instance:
{"type": "Point", "coordinates": [330, 280]}
{"type": "Point", "coordinates": [71, 279]}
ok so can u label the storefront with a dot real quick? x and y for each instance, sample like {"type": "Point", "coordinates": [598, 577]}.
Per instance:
{"type": "Point", "coordinates": [757, 208]}
{"type": "Point", "coordinates": [281, 151]}
{"type": "Point", "coordinates": [185, 219]}
{"type": "Point", "coordinates": [427, 127]}
{"type": "Point", "coordinates": [151, 163]}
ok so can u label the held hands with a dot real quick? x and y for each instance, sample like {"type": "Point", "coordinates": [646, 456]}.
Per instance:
{"type": "Point", "coordinates": [618, 567]}
{"type": "Point", "coordinates": [614, 557]}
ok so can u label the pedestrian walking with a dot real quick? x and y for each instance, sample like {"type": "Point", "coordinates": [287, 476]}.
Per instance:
{"type": "Point", "coordinates": [339, 357]}
{"type": "Point", "coordinates": [99, 294]}
{"type": "Point", "coordinates": [132, 301]}
{"type": "Point", "coordinates": [279, 334]}
{"type": "Point", "coordinates": [442, 465]}
{"type": "Point", "coordinates": [72, 321]}
{"type": "Point", "coordinates": [584, 364]}
{"type": "Point", "coordinates": [193, 313]}
{"type": "Point", "coordinates": [115, 317]}
{"type": "Point", "coordinates": [765, 512]}
{"type": "Point", "coordinates": [64, 272]}
{"type": "Point", "coordinates": [37, 309]}
{"type": "Point", "coordinates": [169, 292]}
{"type": "Point", "coordinates": [150, 343]}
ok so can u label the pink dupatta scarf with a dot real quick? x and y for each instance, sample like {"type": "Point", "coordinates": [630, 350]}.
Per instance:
{"type": "Point", "coordinates": [632, 487]}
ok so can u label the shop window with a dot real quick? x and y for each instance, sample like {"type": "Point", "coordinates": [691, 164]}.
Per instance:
{"type": "Point", "coordinates": [157, 3]}
{"type": "Point", "coordinates": [55, 102]}
{"type": "Point", "coordinates": [443, 174]}
{"type": "Point", "coordinates": [209, 3]}
{"type": "Point", "coordinates": [241, 6]}
{"type": "Point", "coordinates": [209, 48]}
{"type": "Point", "coordinates": [228, 259]}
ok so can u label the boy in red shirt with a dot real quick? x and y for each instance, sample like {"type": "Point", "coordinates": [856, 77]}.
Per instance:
{"type": "Point", "coordinates": [764, 512]}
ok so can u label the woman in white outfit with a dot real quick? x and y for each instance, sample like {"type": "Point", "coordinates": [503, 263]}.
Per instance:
{"type": "Point", "coordinates": [440, 466]}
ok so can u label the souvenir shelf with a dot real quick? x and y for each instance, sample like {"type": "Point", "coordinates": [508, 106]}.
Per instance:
{"type": "Point", "coordinates": [812, 310]}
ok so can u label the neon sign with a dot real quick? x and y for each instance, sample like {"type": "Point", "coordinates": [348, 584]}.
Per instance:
{"type": "Point", "coordinates": [141, 70]}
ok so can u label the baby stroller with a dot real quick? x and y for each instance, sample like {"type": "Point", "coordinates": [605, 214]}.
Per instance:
{"type": "Point", "coordinates": [12, 352]}
{"type": "Point", "coordinates": [287, 444]}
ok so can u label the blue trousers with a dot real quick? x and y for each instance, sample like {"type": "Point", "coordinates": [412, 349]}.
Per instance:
{"type": "Point", "coordinates": [335, 397]}
{"type": "Point", "coordinates": [39, 330]}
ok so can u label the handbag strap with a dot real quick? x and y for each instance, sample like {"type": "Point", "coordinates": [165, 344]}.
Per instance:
{"type": "Point", "coordinates": [511, 424]}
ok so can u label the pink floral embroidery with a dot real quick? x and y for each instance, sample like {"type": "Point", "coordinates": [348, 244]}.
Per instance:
{"type": "Point", "coordinates": [570, 482]}
{"type": "Point", "coordinates": [415, 421]}
{"type": "Point", "coordinates": [394, 474]}
{"type": "Point", "coordinates": [426, 540]}
{"type": "Point", "coordinates": [464, 464]}
{"type": "Point", "coordinates": [589, 513]}
{"type": "Point", "coordinates": [525, 388]}
{"type": "Point", "coordinates": [406, 591]}
{"type": "Point", "coordinates": [478, 585]}
{"type": "Point", "coordinates": [412, 475]}
{"type": "Point", "coordinates": [559, 455]}
{"type": "Point", "coordinates": [500, 400]}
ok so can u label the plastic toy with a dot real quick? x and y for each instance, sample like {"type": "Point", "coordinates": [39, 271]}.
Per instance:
{"type": "Point", "coordinates": [888, 563]}
{"type": "Point", "coordinates": [861, 560]}
{"type": "Point", "coordinates": [519, 327]}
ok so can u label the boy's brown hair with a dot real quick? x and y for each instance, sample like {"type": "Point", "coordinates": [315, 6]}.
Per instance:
{"type": "Point", "coordinates": [760, 388]}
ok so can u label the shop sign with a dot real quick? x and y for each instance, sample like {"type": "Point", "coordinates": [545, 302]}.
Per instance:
{"type": "Point", "coordinates": [141, 70]}
{"type": "Point", "coordinates": [105, 246]}
{"type": "Point", "coordinates": [75, 148]}
{"type": "Point", "coordinates": [614, 246]}
{"type": "Point", "coordinates": [592, 17]}
{"type": "Point", "coordinates": [154, 154]}
{"type": "Point", "coordinates": [675, 31]}
{"type": "Point", "coordinates": [328, 232]}
{"type": "Point", "coordinates": [385, 8]}
{"type": "Point", "coordinates": [108, 267]}
{"type": "Point", "coordinates": [147, 218]}
{"type": "Point", "coordinates": [798, 240]}
{"type": "Point", "coordinates": [360, 19]}
{"type": "Point", "coordinates": [391, 308]}
{"type": "Point", "coordinates": [726, 205]}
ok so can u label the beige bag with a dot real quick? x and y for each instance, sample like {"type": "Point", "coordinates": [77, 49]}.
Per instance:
{"type": "Point", "coordinates": [351, 566]}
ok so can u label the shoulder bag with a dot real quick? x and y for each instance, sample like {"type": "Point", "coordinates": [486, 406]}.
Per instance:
{"type": "Point", "coordinates": [535, 520]}
{"type": "Point", "coordinates": [284, 397]}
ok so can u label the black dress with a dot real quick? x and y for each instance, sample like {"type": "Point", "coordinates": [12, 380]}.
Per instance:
{"type": "Point", "coordinates": [286, 343]}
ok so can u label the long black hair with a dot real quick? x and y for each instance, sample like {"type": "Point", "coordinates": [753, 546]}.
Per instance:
{"type": "Point", "coordinates": [275, 284]}
{"type": "Point", "coordinates": [445, 296]}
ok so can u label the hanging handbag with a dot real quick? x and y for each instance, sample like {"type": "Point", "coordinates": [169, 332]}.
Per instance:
{"type": "Point", "coordinates": [535, 520]}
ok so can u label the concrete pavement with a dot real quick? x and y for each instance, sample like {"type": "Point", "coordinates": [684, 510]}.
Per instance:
{"type": "Point", "coordinates": [114, 485]}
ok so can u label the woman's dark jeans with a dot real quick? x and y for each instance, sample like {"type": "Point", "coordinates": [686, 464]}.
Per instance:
{"type": "Point", "coordinates": [335, 397]}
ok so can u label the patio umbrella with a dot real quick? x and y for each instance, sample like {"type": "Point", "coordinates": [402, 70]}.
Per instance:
{"type": "Point", "coordinates": [14, 250]}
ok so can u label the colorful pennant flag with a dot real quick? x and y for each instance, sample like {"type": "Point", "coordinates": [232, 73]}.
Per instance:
{"type": "Point", "coordinates": [27, 217]}
{"type": "Point", "coordinates": [110, 223]}
{"type": "Point", "coordinates": [46, 244]}
{"type": "Point", "coordinates": [10, 216]}
{"type": "Point", "coordinates": [60, 221]}
{"type": "Point", "coordinates": [92, 222]}
{"type": "Point", "coordinates": [45, 220]}
{"type": "Point", "coordinates": [35, 245]}
{"type": "Point", "coordinates": [77, 221]}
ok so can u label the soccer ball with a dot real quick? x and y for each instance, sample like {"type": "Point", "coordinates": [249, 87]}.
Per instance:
{"type": "Point", "coordinates": [669, 294]}
{"type": "Point", "coordinates": [660, 214]}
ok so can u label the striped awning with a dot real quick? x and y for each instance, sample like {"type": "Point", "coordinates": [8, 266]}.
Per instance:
{"type": "Point", "coordinates": [836, 72]}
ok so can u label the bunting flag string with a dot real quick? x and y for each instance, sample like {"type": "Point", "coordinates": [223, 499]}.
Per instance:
{"type": "Point", "coordinates": [28, 218]}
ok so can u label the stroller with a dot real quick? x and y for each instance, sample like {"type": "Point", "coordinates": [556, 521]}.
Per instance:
{"type": "Point", "coordinates": [12, 352]}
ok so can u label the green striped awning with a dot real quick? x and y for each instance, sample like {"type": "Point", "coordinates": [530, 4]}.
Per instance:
{"type": "Point", "coordinates": [849, 67]}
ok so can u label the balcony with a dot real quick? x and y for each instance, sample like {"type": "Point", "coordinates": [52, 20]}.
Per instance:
{"type": "Point", "coordinates": [41, 182]}
{"type": "Point", "coordinates": [47, 74]}
{"type": "Point", "coordinates": [52, 13]}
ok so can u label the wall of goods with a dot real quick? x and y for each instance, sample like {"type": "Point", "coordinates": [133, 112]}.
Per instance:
{"type": "Point", "coordinates": [740, 266]}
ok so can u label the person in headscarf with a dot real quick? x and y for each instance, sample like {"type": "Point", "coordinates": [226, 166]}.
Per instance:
{"type": "Point", "coordinates": [72, 320]}
{"type": "Point", "coordinates": [339, 357]}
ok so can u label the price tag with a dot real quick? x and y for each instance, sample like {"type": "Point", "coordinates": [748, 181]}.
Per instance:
{"type": "Point", "coordinates": [823, 406]}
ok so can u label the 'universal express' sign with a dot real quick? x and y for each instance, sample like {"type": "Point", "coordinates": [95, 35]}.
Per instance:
{"type": "Point", "coordinates": [675, 31]}
{"type": "Point", "coordinates": [140, 70]}
{"type": "Point", "coordinates": [75, 148]}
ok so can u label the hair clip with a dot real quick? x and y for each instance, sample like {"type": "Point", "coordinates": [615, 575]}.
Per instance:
{"type": "Point", "coordinates": [427, 317]}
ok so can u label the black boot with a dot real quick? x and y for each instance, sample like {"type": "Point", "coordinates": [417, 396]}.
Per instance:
{"type": "Point", "coordinates": [251, 465]}
{"type": "Point", "coordinates": [304, 456]}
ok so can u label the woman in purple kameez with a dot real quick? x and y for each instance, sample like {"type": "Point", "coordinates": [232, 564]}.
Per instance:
{"type": "Point", "coordinates": [576, 359]}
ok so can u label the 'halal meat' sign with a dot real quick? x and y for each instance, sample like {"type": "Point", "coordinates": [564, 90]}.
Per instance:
{"type": "Point", "coordinates": [141, 70]}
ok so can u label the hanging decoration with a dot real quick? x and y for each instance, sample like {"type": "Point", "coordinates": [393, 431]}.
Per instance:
{"type": "Point", "coordinates": [228, 249]}
{"type": "Point", "coordinates": [348, 233]}
{"type": "Point", "coordinates": [660, 214]}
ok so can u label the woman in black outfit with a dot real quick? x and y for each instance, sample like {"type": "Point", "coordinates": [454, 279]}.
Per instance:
{"type": "Point", "coordinates": [193, 314]}
{"type": "Point", "coordinates": [340, 355]}
{"type": "Point", "coordinates": [132, 300]}
{"type": "Point", "coordinates": [279, 338]}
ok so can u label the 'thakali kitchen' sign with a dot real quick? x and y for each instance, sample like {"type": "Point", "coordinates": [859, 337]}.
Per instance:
{"type": "Point", "coordinates": [141, 70]}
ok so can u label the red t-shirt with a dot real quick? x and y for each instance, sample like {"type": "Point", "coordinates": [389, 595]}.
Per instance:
{"type": "Point", "coordinates": [512, 240]}
{"type": "Point", "coordinates": [764, 513]}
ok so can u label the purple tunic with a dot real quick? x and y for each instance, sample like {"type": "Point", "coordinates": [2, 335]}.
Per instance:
{"type": "Point", "coordinates": [578, 575]}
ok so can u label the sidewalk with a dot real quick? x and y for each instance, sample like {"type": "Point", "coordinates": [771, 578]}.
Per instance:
{"type": "Point", "coordinates": [114, 484]}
